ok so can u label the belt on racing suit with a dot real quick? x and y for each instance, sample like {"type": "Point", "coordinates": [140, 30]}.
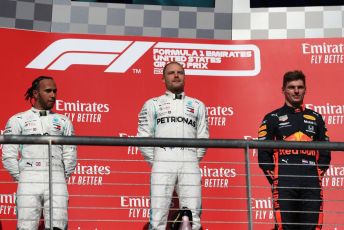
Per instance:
{"type": "Point", "coordinates": [44, 163]}
{"type": "Point", "coordinates": [178, 148]}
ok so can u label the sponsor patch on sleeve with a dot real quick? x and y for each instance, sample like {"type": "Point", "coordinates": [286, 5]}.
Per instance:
{"type": "Point", "coordinates": [309, 117]}
{"type": "Point", "coordinates": [262, 127]}
{"type": "Point", "coordinates": [262, 134]}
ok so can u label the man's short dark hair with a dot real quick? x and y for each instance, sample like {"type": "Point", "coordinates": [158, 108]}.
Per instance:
{"type": "Point", "coordinates": [293, 76]}
{"type": "Point", "coordinates": [174, 62]}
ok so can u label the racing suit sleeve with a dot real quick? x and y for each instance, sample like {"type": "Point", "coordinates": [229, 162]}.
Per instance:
{"type": "Point", "coordinates": [202, 129]}
{"type": "Point", "coordinates": [69, 151]}
{"type": "Point", "coordinates": [146, 128]}
{"type": "Point", "coordinates": [10, 152]}
{"type": "Point", "coordinates": [265, 156]}
{"type": "Point", "coordinates": [324, 155]}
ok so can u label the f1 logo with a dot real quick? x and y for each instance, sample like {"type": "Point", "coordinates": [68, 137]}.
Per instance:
{"type": "Point", "coordinates": [118, 55]}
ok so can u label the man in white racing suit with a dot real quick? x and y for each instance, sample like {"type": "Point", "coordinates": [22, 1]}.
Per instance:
{"type": "Point", "coordinates": [174, 115]}
{"type": "Point", "coordinates": [31, 168]}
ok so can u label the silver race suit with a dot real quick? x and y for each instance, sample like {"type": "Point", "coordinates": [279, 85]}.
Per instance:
{"type": "Point", "coordinates": [28, 164]}
{"type": "Point", "coordinates": [174, 116]}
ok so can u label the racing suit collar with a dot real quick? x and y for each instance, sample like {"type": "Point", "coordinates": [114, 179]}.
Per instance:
{"type": "Point", "coordinates": [40, 112]}
{"type": "Point", "coordinates": [175, 96]}
{"type": "Point", "coordinates": [293, 109]}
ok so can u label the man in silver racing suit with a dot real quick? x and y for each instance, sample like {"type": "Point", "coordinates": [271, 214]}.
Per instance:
{"type": "Point", "coordinates": [174, 115]}
{"type": "Point", "coordinates": [31, 169]}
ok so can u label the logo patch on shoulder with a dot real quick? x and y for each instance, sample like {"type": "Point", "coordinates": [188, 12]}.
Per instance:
{"type": "Point", "coordinates": [309, 117]}
{"type": "Point", "coordinates": [283, 118]}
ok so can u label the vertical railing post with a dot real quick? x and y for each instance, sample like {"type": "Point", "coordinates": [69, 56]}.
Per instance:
{"type": "Point", "coordinates": [248, 188]}
{"type": "Point", "coordinates": [50, 186]}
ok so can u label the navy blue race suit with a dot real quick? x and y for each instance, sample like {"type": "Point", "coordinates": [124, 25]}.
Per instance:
{"type": "Point", "coordinates": [295, 175]}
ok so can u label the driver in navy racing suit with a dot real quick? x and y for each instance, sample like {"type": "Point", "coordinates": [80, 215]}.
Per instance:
{"type": "Point", "coordinates": [295, 174]}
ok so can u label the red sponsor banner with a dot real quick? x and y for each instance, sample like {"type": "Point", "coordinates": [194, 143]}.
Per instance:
{"type": "Point", "coordinates": [103, 82]}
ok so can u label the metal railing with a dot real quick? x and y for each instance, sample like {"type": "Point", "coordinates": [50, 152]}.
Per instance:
{"type": "Point", "coordinates": [169, 142]}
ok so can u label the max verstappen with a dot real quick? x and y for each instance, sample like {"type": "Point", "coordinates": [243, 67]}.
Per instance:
{"type": "Point", "coordinates": [174, 115]}
{"type": "Point", "coordinates": [295, 175]}
{"type": "Point", "coordinates": [31, 170]}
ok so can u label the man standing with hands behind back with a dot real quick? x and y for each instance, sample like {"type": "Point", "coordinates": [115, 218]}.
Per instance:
{"type": "Point", "coordinates": [32, 169]}
{"type": "Point", "coordinates": [295, 174]}
{"type": "Point", "coordinates": [174, 115]}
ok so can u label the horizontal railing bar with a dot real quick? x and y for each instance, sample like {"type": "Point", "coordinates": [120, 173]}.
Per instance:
{"type": "Point", "coordinates": [167, 142]}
